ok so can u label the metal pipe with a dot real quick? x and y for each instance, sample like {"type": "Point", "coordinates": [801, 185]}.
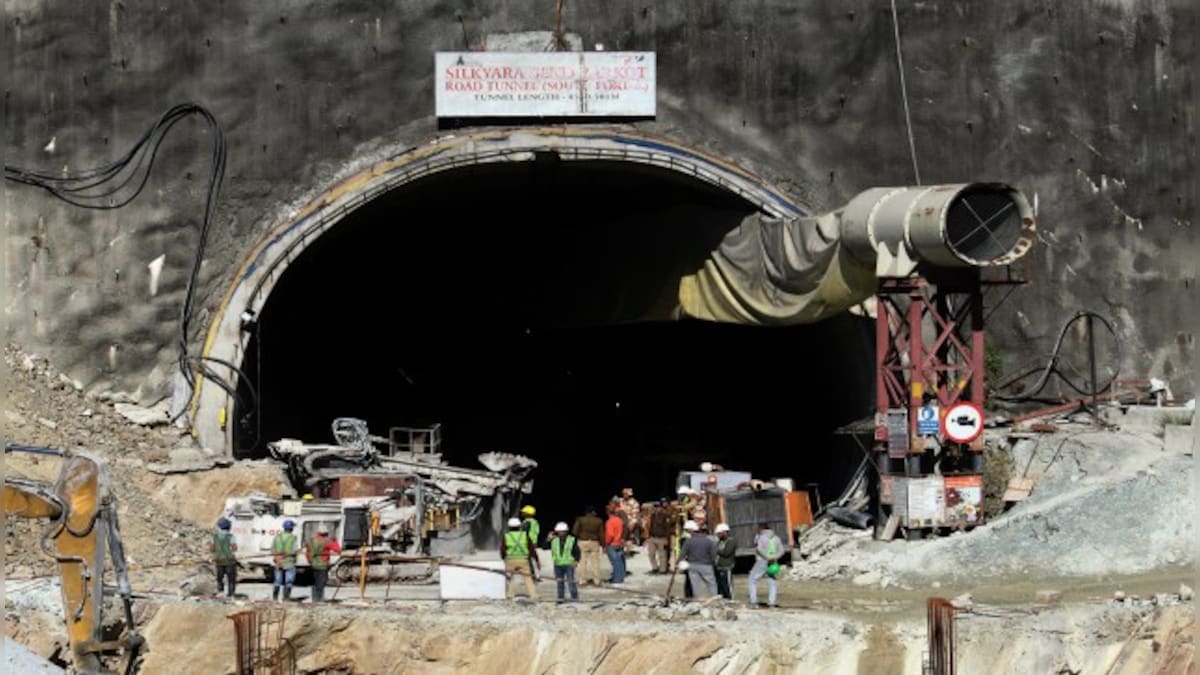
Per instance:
{"type": "Point", "coordinates": [961, 225]}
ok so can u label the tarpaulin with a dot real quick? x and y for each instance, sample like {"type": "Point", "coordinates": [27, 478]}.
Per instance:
{"type": "Point", "coordinates": [773, 271]}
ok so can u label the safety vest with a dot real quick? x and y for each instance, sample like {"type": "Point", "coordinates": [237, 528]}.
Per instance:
{"type": "Point", "coordinates": [771, 546]}
{"type": "Point", "coordinates": [535, 529]}
{"type": "Point", "coordinates": [516, 545]}
{"type": "Point", "coordinates": [223, 548]}
{"type": "Point", "coordinates": [285, 545]}
{"type": "Point", "coordinates": [561, 550]}
{"type": "Point", "coordinates": [315, 548]}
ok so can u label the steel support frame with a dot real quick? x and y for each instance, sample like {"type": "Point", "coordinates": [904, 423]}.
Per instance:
{"type": "Point", "coordinates": [950, 366]}
{"type": "Point", "coordinates": [929, 342]}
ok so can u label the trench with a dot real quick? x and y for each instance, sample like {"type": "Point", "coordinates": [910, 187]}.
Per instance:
{"type": "Point", "coordinates": [528, 308]}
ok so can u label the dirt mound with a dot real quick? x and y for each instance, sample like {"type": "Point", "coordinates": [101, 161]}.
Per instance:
{"type": "Point", "coordinates": [163, 519]}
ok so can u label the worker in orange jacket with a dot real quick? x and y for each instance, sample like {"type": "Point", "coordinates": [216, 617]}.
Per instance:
{"type": "Point", "coordinates": [614, 544]}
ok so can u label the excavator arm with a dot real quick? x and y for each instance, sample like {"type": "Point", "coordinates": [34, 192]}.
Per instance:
{"type": "Point", "coordinates": [83, 527]}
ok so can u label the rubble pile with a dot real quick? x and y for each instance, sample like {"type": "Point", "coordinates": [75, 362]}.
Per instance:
{"type": "Point", "coordinates": [1105, 503]}
{"type": "Point", "coordinates": [159, 515]}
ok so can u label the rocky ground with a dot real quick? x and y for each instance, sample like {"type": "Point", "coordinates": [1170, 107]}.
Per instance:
{"type": "Point", "coordinates": [164, 516]}
{"type": "Point", "coordinates": [1106, 502]}
{"type": "Point", "coordinates": [1088, 574]}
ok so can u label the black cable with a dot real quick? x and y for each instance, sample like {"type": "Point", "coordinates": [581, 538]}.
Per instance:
{"type": "Point", "coordinates": [98, 188]}
{"type": "Point", "coordinates": [1051, 367]}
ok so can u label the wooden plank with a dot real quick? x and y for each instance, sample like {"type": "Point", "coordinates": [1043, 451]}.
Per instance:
{"type": "Point", "coordinates": [889, 529]}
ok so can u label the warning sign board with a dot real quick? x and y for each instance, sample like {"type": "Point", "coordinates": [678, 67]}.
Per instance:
{"type": "Point", "coordinates": [926, 502]}
{"type": "Point", "coordinates": [964, 500]}
{"type": "Point", "coordinates": [897, 429]}
{"type": "Point", "coordinates": [963, 422]}
{"type": "Point", "coordinates": [928, 420]}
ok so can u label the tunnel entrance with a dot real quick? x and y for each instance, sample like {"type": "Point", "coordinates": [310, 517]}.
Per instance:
{"type": "Point", "coordinates": [527, 308]}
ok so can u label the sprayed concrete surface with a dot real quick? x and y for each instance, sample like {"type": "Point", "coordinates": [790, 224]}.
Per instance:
{"type": "Point", "coordinates": [1085, 106]}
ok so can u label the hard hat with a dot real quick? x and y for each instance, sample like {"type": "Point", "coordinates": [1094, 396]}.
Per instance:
{"type": "Point", "coordinates": [307, 497]}
{"type": "Point", "coordinates": [561, 527]}
{"type": "Point", "coordinates": [528, 510]}
{"type": "Point", "coordinates": [223, 523]}
{"type": "Point", "coordinates": [690, 526]}
{"type": "Point", "coordinates": [682, 566]}
{"type": "Point", "coordinates": [773, 569]}
{"type": "Point", "coordinates": [322, 529]}
{"type": "Point", "coordinates": [722, 527]}
{"type": "Point", "coordinates": [288, 525]}
{"type": "Point", "coordinates": [683, 490]}
{"type": "Point", "coordinates": [706, 466]}
{"type": "Point", "coordinates": [514, 522]}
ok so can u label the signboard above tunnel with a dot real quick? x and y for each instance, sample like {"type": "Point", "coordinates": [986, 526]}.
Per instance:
{"type": "Point", "coordinates": [545, 84]}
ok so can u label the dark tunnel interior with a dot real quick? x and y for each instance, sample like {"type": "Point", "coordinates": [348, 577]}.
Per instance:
{"type": "Point", "coordinates": [526, 308]}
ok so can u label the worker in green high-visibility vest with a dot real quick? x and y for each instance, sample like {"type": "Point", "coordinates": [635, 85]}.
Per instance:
{"type": "Point", "coordinates": [515, 549]}
{"type": "Point", "coordinates": [224, 555]}
{"type": "Point", "coordinates": [283, 553]}
{"type": "Point", "coordinates": [534, 528]}
{"type": "Point", "coordinates": [564, 552]}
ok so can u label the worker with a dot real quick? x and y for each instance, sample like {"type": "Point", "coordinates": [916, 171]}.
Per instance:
{"type": "Point", "coordinates": [318, 550]}
{"type": "Point", "coordinates": [726, 559]}
{"type": "Point", "coordinates": [531, 524]}
{"type": "Point", "coordinates": [283, 551]}
{"type": "Point", "coordinates": [515, 550]}
{"type": "Point", "coordinates": [564, 552]}
{"type": "Point", "coordinates": [224, 556]}
{"type": "Point", "coordinates": [659, 539]}
{"type": "Point", "coordinates": [589, 532]}
{"type": "Point", "coordinates": [700, 554]}
{"type": "Point", "coordinates": [768, 549]}
{"type": "Point", "coordinates": [614, 543]}
{"type": "Point", "coordinates": [685, 534]}
{"type": "Point", "coordinates": [633, 512]}
{"type": "Point", "coordinates": [534, 528]}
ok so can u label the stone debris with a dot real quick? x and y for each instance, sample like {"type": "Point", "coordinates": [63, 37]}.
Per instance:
{"type": "Point", "coordinates": [1185, 593]}
{"type": "Point", "coordinates": [156, 415]}
{"type": "Point", "coordinates": [963, 602]}
{"type": "Point", "coordinates": [1048, 597]}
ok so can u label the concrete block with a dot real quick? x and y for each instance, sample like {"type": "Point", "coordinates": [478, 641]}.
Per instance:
{"type": "Point", "coordinates": [1179, 439]}
{"type": "Point", "coordinates": [471, 583]}
{"type": "Point", "coordinates": [454, 543]}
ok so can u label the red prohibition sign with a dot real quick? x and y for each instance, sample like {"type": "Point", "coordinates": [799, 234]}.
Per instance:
{"type": "Point", "coordinates": [963, 422]}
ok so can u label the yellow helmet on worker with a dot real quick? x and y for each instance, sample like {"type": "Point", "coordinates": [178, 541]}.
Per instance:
{"type": "Point", "coordinates": [528, 510]}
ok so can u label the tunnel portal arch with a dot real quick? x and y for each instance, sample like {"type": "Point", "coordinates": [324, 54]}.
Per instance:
{"type": "Point", "coordinates": [208, 406]}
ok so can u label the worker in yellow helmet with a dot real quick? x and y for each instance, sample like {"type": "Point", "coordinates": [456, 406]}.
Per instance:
{"type": "Point", "coordinates": [534, 528]}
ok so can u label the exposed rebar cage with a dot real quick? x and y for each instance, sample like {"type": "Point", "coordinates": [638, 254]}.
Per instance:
{"type": "Point", "coordinates": [940, 631]}
{"type": "Point", "coordinates": [261, 648]}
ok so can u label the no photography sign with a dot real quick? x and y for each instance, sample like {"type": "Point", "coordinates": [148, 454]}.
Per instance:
{"type": "Point", "coordinates": [963, 422]}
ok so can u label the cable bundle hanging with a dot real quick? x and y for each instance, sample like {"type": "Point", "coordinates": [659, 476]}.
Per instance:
{"type": "Point", "coordinates": [118, 183]}
{"type": "Point", "coordinates": [1052, 365]}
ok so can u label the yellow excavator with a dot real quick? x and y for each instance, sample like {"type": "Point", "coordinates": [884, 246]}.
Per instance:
{"type": "Point", "coordinates": [83, 524]}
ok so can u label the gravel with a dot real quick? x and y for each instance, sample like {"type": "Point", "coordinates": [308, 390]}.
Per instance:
{"type": "Point", "coordinates": [1104, 503]}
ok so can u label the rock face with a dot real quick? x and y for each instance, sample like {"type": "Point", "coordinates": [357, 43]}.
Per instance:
{"type": "Point", "coordinates": [1081, 104]}
{"type": "Point", "coordinates": [492, 639]}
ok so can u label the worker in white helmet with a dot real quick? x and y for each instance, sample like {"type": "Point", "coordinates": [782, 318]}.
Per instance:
{"type": "Point", "coordinates": [726, 559]}
{"type": "Point", "coordinates": [564, 551]}
{"type": "Point", "coordinates": [515, 549]}
{"type": "Point", "coordinates": [700, 553]}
